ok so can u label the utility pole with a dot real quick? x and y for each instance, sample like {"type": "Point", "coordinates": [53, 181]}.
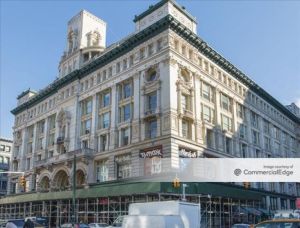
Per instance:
{"type": "Point", "coordinates": [74, 191]}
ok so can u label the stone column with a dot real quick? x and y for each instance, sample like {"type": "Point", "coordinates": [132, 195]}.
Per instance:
{"type": "Point", "coordinates": [249, 133]}
{"type": "Point", "coordinates": [136, 109]}
{"type": "Point", "coordinates": [114, 117]}
{"type": "Point", "coordinates": [219, 134]}
{"type": "Point", "coordinates": [93, 143]}
{"type": "Point", "coordinates": [197, 109]}
{"type": "Point", "coordinates": [77, 120]}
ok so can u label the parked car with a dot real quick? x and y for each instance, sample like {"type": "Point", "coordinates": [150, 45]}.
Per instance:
{"type": "Point", "coordinates": [284, 223]}
{"type": "Point", "coordinates": [15, 223]}
{"type": "Point", "coordinates": [98, 225]}
{"type": "Point", "coordinates": [70, 225]}
{"type": "Point", "coordinates": [241, 226]}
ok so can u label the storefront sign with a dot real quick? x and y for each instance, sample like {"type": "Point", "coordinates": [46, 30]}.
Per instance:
{"type": "Point", "coordinates": [123, 158]}
{"type": "Point", "coordinates": [298, 203]}
{"type": "Point", "coordinates": [152, 152]}
{"type": "Point", "coordinates": [187, 153]}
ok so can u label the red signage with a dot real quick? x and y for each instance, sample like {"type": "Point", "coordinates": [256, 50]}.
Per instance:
{"type": "Point", "coordinates": [298, 203]}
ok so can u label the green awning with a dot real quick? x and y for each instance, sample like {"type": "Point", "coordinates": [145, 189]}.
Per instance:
{"type": "Point", "coordinates": [118, 188]}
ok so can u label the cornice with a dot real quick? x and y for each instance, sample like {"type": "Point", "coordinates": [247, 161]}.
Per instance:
{"type": "Point", "coordinates": [138, 38]}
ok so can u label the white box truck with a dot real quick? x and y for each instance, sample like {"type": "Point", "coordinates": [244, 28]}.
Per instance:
{"type": "Point", "coordinates": [163, 214]}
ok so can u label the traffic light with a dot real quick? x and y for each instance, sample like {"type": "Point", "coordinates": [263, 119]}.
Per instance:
{"type": "Point", "coordinates": [176, 183]}
{"type": "Point", "coordinates": [246, 185]}
{"type": "Point", "coordinates": [22, 181]}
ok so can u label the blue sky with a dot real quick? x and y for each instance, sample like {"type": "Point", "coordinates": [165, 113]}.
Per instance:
{"type": "Point", "coordinates": [261, 38]}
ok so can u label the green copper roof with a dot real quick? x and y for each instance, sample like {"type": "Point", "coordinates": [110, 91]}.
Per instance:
{"type": "Point", "coordinates": [161, 3]}
{"type": "Point", "coordinates": [138, 38]}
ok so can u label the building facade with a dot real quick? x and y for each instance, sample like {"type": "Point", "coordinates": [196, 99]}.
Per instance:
{"type": "Point", "coordinates": [161, 92]}
{"type": "Point", "coordinates": [294, 109]}
{"type": "Point", "coordinates": [5, 155]}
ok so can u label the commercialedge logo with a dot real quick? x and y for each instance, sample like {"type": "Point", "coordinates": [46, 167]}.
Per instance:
{"type": "Point", "coordinates": [278, 172]}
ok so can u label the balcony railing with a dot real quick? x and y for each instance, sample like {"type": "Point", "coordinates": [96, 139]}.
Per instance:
{"type": "Point", "coordinates": [188, 113]}
{"type": "Point", "coordinates": [151, 112]}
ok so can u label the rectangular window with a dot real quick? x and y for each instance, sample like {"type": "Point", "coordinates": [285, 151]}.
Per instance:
{"type": "Point", "coordinates": [28, 163]}
{"type": "Point", "coordinates": [127, 90]}
{"type": "Point", "coordinates": [228, 145]}
{"type": "Point", "coordinates": [277, 148]}
{"type": "Point", "coordinates": [255, 137]}
{"type": "Point", "coordinates": [51, 122]}
{"type": "Point", "coordinates": [29, 148]}
{"type": "Point", "coordinates": [185, 129]}
{"type": "Point", "coordinates": [243, 131]}
{"type": "Point", "coordinates": [106, 120]}
{"type": "Point", "coordinates": [131, 60]}
{"type": "Point", "coordinates": [51, 140]}
{"type": "Point", "coordinates": [267, 143]}
{"type": "Point", "coordinates": [226, 123]}
{"type": "Point", "coordinates": [225, 103]}
{"type": "Point", "coordinates": [152, 129]}
{"type": "Point", "coordinates": [207, 114]}
{"type": "Point", "coordinates": [150, 49]}
{"type": "Point", "coordinates": [276, 133]}
{"type": "Point", "coordinates": [152, 102]}
{"type": "Point", "coordinates": [125, 136]}
{"type": "Point", "coordinates": [102, 171]}
{"type": "Point", "coordinates": [258, 153]}
{"type": "Point", "coordinates": [254, 119]}
{"type": "Point", "coordinates": [266, 127]}
{"type": "Point", "coordinates": [41, 127]}
{"type": "Point", "coordinates": [126, 112]}
{"type": "Point", "coordinates": [209, 138]}
{"type": "Point", "coordinates": [40, 144]}
{"type": "Point", "coordinates": [86, 107]}
{"type": "Point", "coordinates": [240, 110]}
{"type": "Point", "coordinates": [159, 45]}
{"type": "Point", "coordinates": [243, 148]}
{"type": "Point", "coordinates": [118, 67]}
{"type": "Point", "coordinates": [142, 53]}
{"type": "Point", "coordinates": [124, 170]}
{"type": "Point", "coordinates": [103, 142]}
{"type": "Point", "coordinates": [105, 99]}
{"type": "Point", "coordinates": [86, 127]}
{"type": "Point", "coordinates": [2, 148]}
{"type": "Point", "coordinates": [184, 102]}
{"type": "Point", "coordinates": [207, 92]}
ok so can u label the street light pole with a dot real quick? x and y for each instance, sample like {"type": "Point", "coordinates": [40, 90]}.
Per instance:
{"type": "Point", "coordinates": [74, 190]}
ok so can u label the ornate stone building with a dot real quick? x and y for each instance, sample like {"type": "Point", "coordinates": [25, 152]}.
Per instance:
{"type": "Point", "coordinates": [5, 155]}
{"type": "Point", "coordinates": [159, 92]}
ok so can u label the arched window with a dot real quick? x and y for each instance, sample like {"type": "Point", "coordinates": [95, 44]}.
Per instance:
{"type": "Point", "coordinates": [185, 75]}
{"type": "Point", "coordinates": [151, 75]}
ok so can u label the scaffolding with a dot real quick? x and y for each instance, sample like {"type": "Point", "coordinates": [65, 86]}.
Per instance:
{"type": "Point", "coordinates": [216, 212]}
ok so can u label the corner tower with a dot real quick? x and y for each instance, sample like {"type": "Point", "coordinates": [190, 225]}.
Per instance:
{"type": "Point", "coordinates": [86, 39]}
